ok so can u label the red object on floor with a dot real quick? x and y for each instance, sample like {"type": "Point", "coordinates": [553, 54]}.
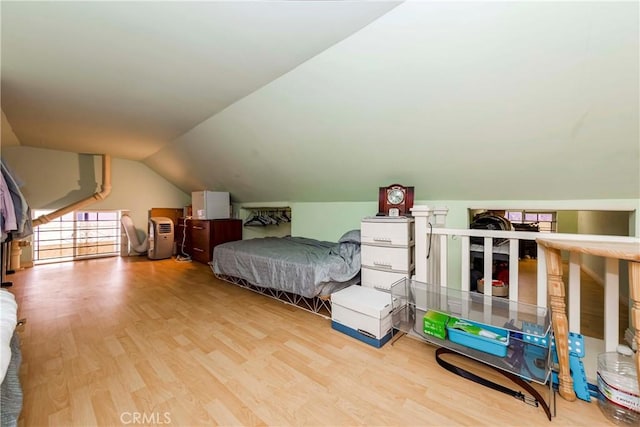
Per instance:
{"type": "Point", "coordinates": [503, 275]}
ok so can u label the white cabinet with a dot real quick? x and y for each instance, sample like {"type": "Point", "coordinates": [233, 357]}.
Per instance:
{"type": "Point", "coordinates": [387, 250]}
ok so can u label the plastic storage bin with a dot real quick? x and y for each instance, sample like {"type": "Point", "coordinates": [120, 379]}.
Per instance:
{"type": "Point", "coordinates": [478, 336]}
{"type": "Point", "coordinates": [362, 313]}
{"type": "Point", "coordinates": [619, 397]}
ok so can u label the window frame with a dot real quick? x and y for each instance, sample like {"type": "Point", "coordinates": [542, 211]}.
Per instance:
{"type": "Point", "coordinates": [68, 231]}
{"type": "Point", "coordinates": [551, 226]}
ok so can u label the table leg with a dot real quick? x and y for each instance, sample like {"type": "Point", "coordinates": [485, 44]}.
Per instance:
{"type": "Point", "coordinates": [556, 293]}
{"type": "Point", "coordinates": [634, 294]}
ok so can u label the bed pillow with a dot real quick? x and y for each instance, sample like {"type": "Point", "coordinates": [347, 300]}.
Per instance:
{"type": "Point", "coordinates": [352, 236]}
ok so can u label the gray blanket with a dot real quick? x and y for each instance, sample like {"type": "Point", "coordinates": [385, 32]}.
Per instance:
{"type": "Point", "coordinates": [11, 390]}
{"type": "Point", "coordinates": [293, 264]}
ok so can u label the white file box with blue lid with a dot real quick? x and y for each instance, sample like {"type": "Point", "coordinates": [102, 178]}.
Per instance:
{"type": "Point", "coordinates": [362, 313]}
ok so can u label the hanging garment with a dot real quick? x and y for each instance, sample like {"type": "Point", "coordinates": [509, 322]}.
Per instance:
{"type": "Point", "coordinates": [8, 222]}
{"type": "Point", "coordinates": [17, 219]}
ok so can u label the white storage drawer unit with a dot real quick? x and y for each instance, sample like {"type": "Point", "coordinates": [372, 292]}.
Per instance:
{"type": "Point", "coordinates": [387, 250]}
{"type": "Point", "coordinates": [388, 258]}
{"type": "Point", "coordinates": [362, 313]}
{"type": "Point", "coordinates": [380, 279]}
{"type": "Point", "coordinates": [388, 231]}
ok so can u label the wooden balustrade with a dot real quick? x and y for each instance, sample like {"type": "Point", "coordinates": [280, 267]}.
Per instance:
{"type": "Point", "coordinates": [629, 251]}
{"type": "Point", "coordinates": [432, 264]}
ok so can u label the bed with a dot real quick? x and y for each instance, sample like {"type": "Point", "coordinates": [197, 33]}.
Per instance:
{"type": "Point", "coordinates": [10, 358]}
{"type": "Point", "coordinates": [296, 270]}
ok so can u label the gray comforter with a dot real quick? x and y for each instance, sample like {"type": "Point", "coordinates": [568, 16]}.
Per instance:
{"type": "Point", "coordinates": [11, 389]}
{"type": "Point", "coordinates": [293, 264]}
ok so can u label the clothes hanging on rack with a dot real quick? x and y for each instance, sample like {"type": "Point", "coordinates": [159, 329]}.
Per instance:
{"type": "Point", "coordinates": [15, 214]}
{"type": "Point", "coordinates": [15, 218]}
{"type": "Point", "coordinates": [264, 217]}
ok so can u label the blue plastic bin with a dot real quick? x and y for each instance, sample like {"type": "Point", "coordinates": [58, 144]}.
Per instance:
{"type": "Point", "coordinates": [487, 345]}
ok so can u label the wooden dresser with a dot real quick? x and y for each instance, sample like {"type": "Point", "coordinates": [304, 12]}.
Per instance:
{"type": "Point", "coordinates": [202, 235]}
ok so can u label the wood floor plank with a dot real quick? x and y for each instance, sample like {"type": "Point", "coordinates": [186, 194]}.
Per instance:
{"type": "Point", "coordinates": [82, 410]}
{"type": "Point", "coordinates": [103, 406]}
{"type": "Point", "coordinates": [108, 338]}
{"type": "Point", "coordinates": [60, 418]}
{"type": "Point", "coordinates": [221, 414]}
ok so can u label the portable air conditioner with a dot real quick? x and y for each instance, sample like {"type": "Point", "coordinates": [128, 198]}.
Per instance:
{"type": "Point", "coordinates": [160, 238]}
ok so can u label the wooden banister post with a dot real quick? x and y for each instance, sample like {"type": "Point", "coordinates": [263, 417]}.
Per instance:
{"type": "Point", "coordinates": [559, 321]}
{"type": "Point", "coordinates": [422, 214]}
{"type": "Point", "coordinates": [634, 294]}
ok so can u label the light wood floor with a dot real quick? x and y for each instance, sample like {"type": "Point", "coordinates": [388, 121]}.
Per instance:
{"type": "Point", "coordinates": [113, 339]}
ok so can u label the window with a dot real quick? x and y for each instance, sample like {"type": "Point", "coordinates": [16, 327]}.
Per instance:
{"type": "Point", "coordinates": [77, 235]}
{"type": "Point", "coordinates": [546, 221]}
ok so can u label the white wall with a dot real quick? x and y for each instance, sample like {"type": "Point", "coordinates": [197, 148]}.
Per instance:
{"type": "Point", "coordinates": [464, 100]}
{"type": "Point", "coordinates": [329, 221]}
{"type": "Point", "coordinates": [567, 221]}
{"type": "Point", "coordinates": [53, 179]}
{"type": "Point", "coordinates": [606, 223]}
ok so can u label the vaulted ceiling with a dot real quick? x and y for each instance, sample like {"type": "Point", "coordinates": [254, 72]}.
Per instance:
{"type": "Point", "coordinates": [326, 101]}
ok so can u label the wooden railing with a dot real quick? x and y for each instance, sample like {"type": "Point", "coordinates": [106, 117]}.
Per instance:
{"type": "Point", "coordinates": [433, 254]}
{"type": "Point", "coordinates": [612, 251]}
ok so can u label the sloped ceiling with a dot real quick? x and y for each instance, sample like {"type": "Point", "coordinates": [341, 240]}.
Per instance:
{"type": "Point", "coordinates": [8, 138]}
{"type": "Point", "coordinates": [470, 101]}
{"type": "Point", "coordinates": [127, 78]}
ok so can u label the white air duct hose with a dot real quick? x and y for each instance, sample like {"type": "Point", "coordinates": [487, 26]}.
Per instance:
{"type": "Point", "coordinates": [135, 244]}
{"type": "Point", "coordinates": [101, 195]}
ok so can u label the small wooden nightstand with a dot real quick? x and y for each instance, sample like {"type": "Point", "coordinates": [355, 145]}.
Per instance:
{"type": "Point", "coordinates": [202, 235]}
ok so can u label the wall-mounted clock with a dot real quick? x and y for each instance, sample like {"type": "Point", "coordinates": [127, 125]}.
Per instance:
{"type": "Point", "coordinates": [395, 200]}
